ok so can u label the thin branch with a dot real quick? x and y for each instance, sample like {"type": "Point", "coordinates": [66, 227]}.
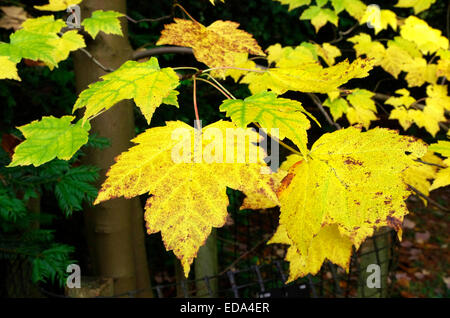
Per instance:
{"type": "Point", "coordinates": [242, 256]}
{"type": "Point", "coordinates": [342, 33]}
{"type": "Point", "coordinates": [105, 68]}
{"type": "Point", "coordinates": [148, 20]}
{"type": "Point", "coordinates": [316, 101]}
{"type": "Point", "coordinates": [161, 50]}
{"type": "Point", "coordinates": [430, 163]}
{"type": "Point", "coordinates": [233, 68]}
{"type": "Point", "coordinates": [430, 200]}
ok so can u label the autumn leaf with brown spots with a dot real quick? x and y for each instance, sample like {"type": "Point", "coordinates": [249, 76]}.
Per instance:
{"type": "Point", "coordinates": [188, 196]}
{"type": "Point", "coordinates": [215, 45]}
{"type": "Point", "coordinates": [351, 180]}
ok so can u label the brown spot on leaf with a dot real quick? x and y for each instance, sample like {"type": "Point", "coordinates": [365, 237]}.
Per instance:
{"type": "Point", "coordinates": [394, 223]}
{"type": "Point", "coordinates": [351, 161]}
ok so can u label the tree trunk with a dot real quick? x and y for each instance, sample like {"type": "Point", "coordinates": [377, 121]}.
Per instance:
{"type": "Point", "coordinates": [114, 229]}
{"type": "Point", "coordinates": [376, 251]}
{"type": "Point", "coordinates": [207, 265]}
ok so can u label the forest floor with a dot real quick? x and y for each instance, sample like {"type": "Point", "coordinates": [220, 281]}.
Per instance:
{"type": "Point", "coordinates": [424, 260]}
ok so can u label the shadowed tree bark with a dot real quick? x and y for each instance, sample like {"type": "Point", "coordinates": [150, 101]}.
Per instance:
{"type": "Point", "coordinates": [114, 229]}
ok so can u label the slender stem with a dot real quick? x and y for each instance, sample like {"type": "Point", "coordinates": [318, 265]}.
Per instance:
{"type": "Point", "coordinates": [316, 101]}
{"type": "Point", "coordinates": [428, 199]}
{"type": "Point", "coordinates": [195, 100]}
{"type": "Point", "coordinates": [232, 68]}
{"type": "Point", "coordinates": [281, 143]}
{"type": "Point", "coordinates": [220, 85]}
{"type": "Point", "coordinates": [147, 20]}
{"type": "Point", "coordinates": [430, 163]}
{"type": "Point", "coordinates": [185, 68]}
{"type": "Point", "coordinates": [184, 10]}
{"type": "Point", "coordinates": [215, 86]}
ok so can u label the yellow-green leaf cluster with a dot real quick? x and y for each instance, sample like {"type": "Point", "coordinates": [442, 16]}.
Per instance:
{"type": "Point", "coordinates": [38, 40]}
{"type": "Point", "coordinates": [104, 21]}
{"type": "Point", "coordinates": [270, 111]}
{"type": "Point", "coordinates": [146, 83]}
{"type": "Point", "coordinates": [48, 139]}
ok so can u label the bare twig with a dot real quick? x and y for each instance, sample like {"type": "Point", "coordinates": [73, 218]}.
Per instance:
{"type": "Point", "coordinates": [318, 103]}
{"type": "Point", "coordinates": [161, 50]}
{"type": "Point", "coordinates": [243, 256]}
{"type": "Point", "coordinates": [430, 200]}
{"type": "Point", "coordinates": [430, 163]}
{"type": "Point", "coordinates": [105, 68]}
{"type": "Point", "coordinates": [148, 20]}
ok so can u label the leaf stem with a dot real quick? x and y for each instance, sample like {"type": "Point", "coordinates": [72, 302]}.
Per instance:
{"type": "Point", "coordinates": [195, 101]}
{"type": "Point", "coordinates": [185, 68]}
{"type": "Point", "coordinates": [220, 85]}
{"type": "Point", "coordinates": [233, 68]}
{"type": "Point", "coordinates": [282, 143]}
{"type": "Point", "coordinates": [184, 10]}
{"type": "Point", "coordinates": [215, 86]}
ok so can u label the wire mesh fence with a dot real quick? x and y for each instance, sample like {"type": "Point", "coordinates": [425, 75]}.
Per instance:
{"type": "Point", "coordinates": [249, 268]}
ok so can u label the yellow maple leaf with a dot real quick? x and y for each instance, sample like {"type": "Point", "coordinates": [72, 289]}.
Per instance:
{"type": "Point", "coordinates": [443, 65]}
{"type": "Point", "coordinates": [321, 248]}
{"type": "Point", "coordinates": [240, 61]}
{"type": "Point", "coordinates": [213, 2]}
{"type": "Point", "coordinates": [443, 176]}
{"type": "Point", "coordinates": [364, 45]}
{"type": "Point", "coordinates": [356, 8]}
{"type": "Point", "coordinates": [256, 200]}
{"type": "Point", "coordinates": [312, 78]}
{"type": "Point", "coordinates": [328, 52]}
{"type": "Point", "coordinates": [404, 116]}
{"type": "Point", "coordinates": [428, 40]}
{"type": "Point", "coordinates": [419, 72]}
{"type": "Point", "coordinates": [9, 69]}
{"type": "Point", "coordinates": [420, 174]}
{"type": "Point", "coordinates": [187, 188]}
{"type": "Point", "coordinates": [58, 5]}
{"type": "Point", "coordinates": [400, 55]}
{"type": "Point", "coordinates": [434, 111]}
{"type": "Point", "coordinates": [418, 5]}
{"type": "Point", "coordinates": [294, 4]}
{"type": "Point", "coordinates": [379, 19]}
{"type": "Point", "coordinates": [363, 109]}
{"type": "Point", "coordinates": [405, 99]}
{"type": "Point", "coordinates": [352, 179]}
{"type": "Point", "coordinates": [215, 45]}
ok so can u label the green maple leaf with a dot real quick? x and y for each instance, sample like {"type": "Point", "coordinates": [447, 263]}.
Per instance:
{"type": "Point", "coordinates": [146, 83]}
{"type": "Point", "coordinates": [270, 111]}
{"type": "Point", "coordinates": [105, 21]}
{"type": "Point", "coordinates": [48, 139]}
{"type": "Point", "coordinates": [38, 40]}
